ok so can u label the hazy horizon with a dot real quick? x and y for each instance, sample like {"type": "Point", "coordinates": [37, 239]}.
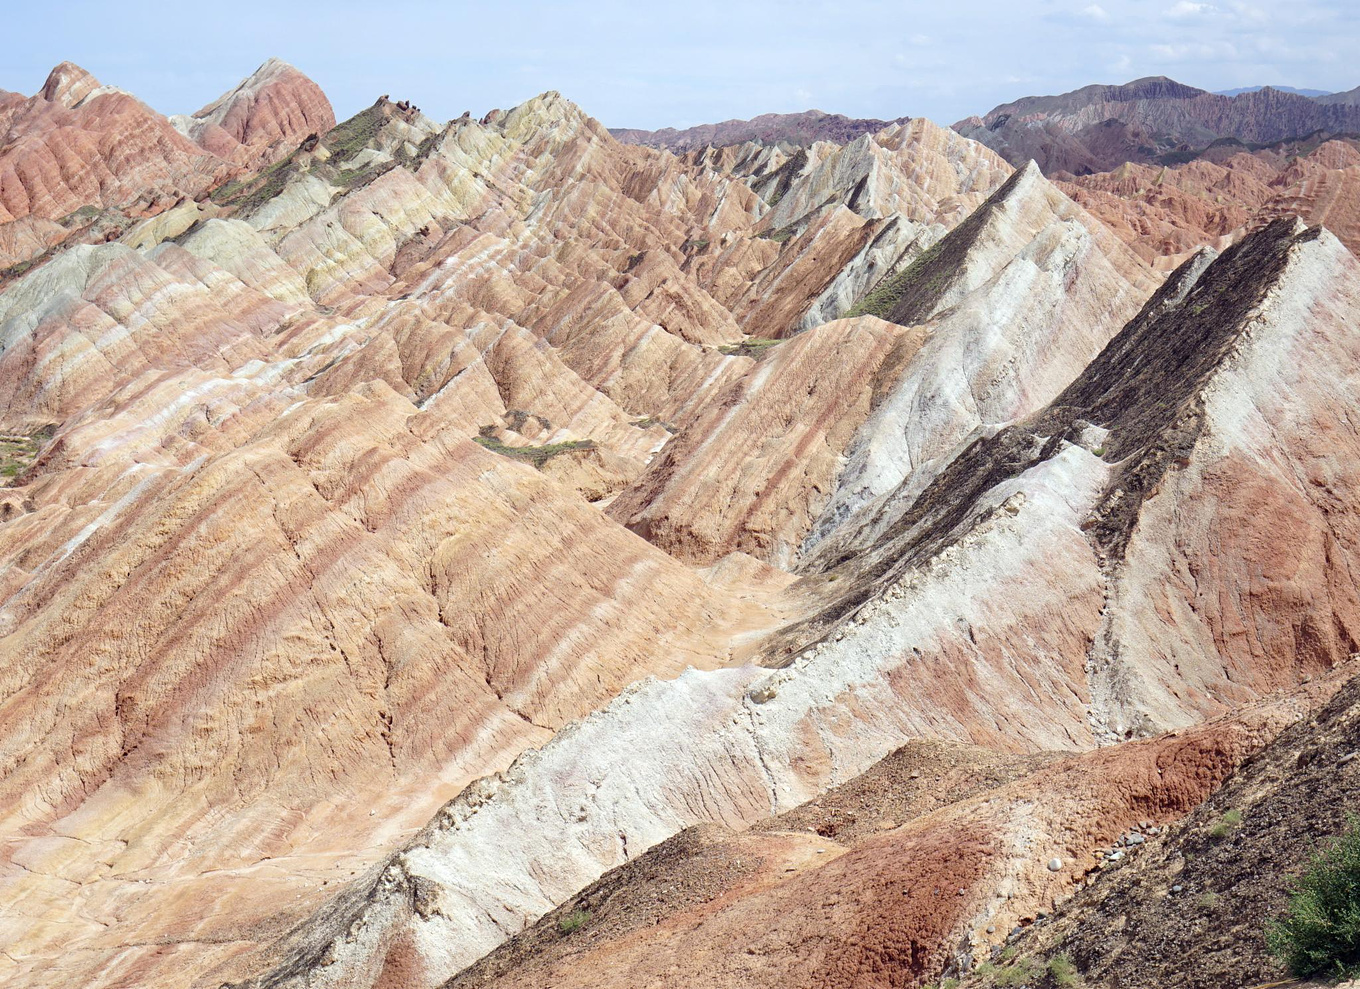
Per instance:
{"type": "Point", "coordinates": [677, 65]}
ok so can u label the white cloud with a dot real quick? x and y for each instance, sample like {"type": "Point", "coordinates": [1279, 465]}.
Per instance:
{"type": "Point", "coordinates": [1194, 52]}
{"type": "Point", "coordinates": [922, 40]}
{"type": "Point", "coordinates": [1186, 9]}
{"type": "Point", "coordinates": [1096, 12]}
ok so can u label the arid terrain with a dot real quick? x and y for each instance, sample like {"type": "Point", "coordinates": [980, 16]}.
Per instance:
{"type": "Point", "coordinates": [790, 552]}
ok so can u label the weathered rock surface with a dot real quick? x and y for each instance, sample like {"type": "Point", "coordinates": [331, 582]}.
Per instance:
{"type": "Point", "coordinates": [313, 523]}
{"type": "Point", "coordinates": [271, 111]}
{"type": "Point", "coordinates": [884, 881]}
{"type": "Point", "coordinates": [79, 150]}
{"type": "Point", "coordinates": [1166, 213]}
{"type": "Point", "coordinates": [1029, 598]}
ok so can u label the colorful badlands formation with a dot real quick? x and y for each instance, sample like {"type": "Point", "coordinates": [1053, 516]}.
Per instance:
{"type": "Point", "coordinates": [489, 553]}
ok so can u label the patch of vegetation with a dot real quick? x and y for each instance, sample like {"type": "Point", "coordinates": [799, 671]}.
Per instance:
{"type": "Point", "coordinates": [17, 454]}
{"type": "Point", "coordinates": [1209, 901]}
{"type": "Point", "coordinates": [254, 190]}
{"type": "Point", "coordinates": [781, 235]}
{"type": "Point", "coordinates": [573, 921]}
{"type": "Point", "coordinates": [693, 246]}
{"type": "Point", "coordinates": [1319, 932]}
{"type": "Point", "coordinates": [647, 422]}
{"type": "Point", "coordinates": [80, 217]}
{"type": "Point", "coordinates": [536, 455]}
{"type": "Point", "coordinates": [346, 139]}
{"type": "Point", "coordinates": [1064, 973]}
{"type": "Point", "coordinates": [884, 297]}
{"type": "Point", "coordinates": [750, 347]}
{"type": "Point", "coordinates": [15, 270]}
{"type": "Point", "coordinates": [1022, 972]}
{"type": "Point", "coordinates": [1226, 825]}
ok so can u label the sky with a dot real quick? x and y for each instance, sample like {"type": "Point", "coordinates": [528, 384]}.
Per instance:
{"type": "Point", "coordinates": [641, 64]}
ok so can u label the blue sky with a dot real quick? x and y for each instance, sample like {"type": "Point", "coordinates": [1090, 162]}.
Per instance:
{"type": "Point", "coordinates": [656, 64]}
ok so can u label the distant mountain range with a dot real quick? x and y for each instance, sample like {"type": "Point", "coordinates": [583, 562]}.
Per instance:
{"type": "Point", "coordinates": [800, 129]}
{"type": "Point", "coordinates": [1089, 130]}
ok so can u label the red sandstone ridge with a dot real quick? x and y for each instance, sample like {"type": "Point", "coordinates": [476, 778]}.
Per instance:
{"type": "Point", "coordinates": [1164, 213]}
{"type": "Point", "coordinates": [78, 144]}
{"type": "Point", "coordinates": [275, 107]}
{"type": "Point", "coordinates": [81, 161]}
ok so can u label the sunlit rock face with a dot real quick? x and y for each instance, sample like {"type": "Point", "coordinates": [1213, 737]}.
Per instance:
{"type": "Point", "coordinates": [405, 522]}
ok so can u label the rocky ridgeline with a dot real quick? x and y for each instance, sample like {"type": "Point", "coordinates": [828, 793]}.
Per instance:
{"type": "Point", "coordinates": [422, 524]}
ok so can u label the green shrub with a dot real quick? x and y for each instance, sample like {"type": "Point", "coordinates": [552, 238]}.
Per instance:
{"type": "Point", "coordinates": [1227, 824]}
{"type": "Point", "coordinates": [1319, 932]}
{"type": "Point", "coordinates": [1064, 973]}
{"type": "Point", "coordinates": [573, 921]}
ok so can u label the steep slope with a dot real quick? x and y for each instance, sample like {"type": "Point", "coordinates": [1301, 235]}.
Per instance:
{"type": "Point", "coordinates": [795, 129]}
{"type": "Point", "coordinates": [1191, 907]}
{"type": "Point", "coordinates": [839, 219]}
{"type": "Point", "coordinates": [286, 507]}
{"type": "Point", "coordinates": [1035, 595]}
{"type": "Point", "coordinates": [1099, 128]}
{"type": "Point", "coordinates": [929, 857]}
{"type": "Point", "coordinates": [1033, 289]}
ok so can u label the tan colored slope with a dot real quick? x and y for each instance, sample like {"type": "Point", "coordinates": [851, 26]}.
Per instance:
{"type": "Point", "coordinates": [1108, 568]}
{"type": "Point", "coordinates": [754, 470]}
{"type": "Point", "coordinates": [933, 855]}
{"type": "Point", "coordinates": [266, 604]}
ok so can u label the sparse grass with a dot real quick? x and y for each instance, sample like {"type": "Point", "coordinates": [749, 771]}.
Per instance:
{"type": "Point", "coordinates": [1209, 901]}
{"type": "Point", "coordinates": [1007, 953]}
{"type": "Point", "coordinates": [750, 347]}
{"type": "Point", "coordinates": [779, 236]}
{"type": "Point", "coordinates": [536, 455]}
{"type": "Point", "coordinates": [883, 298]}
{"type": "Point", "coordinates": [17, 454]}
{"type": "Point", "coordinates": [573, 921]}
{"type": "Point", "coordinates": [80, 217]}
{"type": "Point", "coordinates": [1064, 973]}
{"type": "Point", "coordinates": [1319, 932]}
{"type": "Point", "coordinates": [1226, 825]}
{"type": "Point", "coordinates": [254, 190]}
{"type": "Point", "coordinates": [1022, 972]}
{"type": "Point", "coordinates": [346, 139]}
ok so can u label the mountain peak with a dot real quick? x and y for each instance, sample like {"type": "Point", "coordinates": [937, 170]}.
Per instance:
{"type": "Point", "coordinates": [68, 84]}
{"type": "Point", "coordinates": [276, 102]}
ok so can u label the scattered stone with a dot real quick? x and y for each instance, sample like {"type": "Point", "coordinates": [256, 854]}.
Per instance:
{"type": "Point", "coordinates": [1135, 839]}
{"type": "Point", "coordinates": [1055, 864]}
